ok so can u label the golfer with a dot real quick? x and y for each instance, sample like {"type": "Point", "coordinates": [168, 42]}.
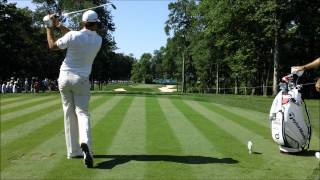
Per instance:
{"type": "Point", "coordinates": [313, 65]}
{"type": "Point", "coordinates": [74, 86]}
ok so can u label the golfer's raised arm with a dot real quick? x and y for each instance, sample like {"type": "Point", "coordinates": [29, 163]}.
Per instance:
{"type": "Point", "coordinates": [51, 40]}
{"type": "Point", "coordinates": [50, 35]}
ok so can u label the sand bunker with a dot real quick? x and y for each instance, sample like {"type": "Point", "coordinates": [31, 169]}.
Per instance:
{"type": "Point", "coordinates": [120, 90]}
{"type": "Point", "coordinates": [168, 88]}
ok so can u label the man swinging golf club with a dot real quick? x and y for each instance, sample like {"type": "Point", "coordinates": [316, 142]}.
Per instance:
{"type": "Point", "coordinates": [74, 86]}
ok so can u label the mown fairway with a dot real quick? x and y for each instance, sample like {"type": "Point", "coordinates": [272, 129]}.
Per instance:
{"type": "Point", "coordinates": [152, 137]}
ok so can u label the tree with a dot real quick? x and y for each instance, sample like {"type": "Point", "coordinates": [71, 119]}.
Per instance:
{"type": "Point", "coordinates": [23, 45]}
{"type": "Point", "coordinates": [136, 75]}
{"type": "Point", "coordinates": [171, 61]}
{"type": "Point", "coordinates": [145, 67]}
{"type": "Point", "coordinates": [181, 19]}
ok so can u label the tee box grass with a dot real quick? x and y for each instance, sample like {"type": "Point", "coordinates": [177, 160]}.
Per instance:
{"type": "Point", "coordinates": [137, 136]}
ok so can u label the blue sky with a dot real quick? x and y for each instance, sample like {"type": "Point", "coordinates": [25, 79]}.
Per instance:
{"type": "Point", "coordinates": [139, 24]}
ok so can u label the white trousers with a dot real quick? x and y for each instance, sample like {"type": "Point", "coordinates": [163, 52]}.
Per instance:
{"type": "Point", "coordinates": [75, 95]}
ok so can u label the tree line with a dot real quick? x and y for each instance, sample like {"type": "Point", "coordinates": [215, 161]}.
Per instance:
{"type": "Point", "coordinates": [24, 45]}
{"type": "Point", "coordinates": [218, 44]}
{"type": "Point", "coordinates": [215, 46]}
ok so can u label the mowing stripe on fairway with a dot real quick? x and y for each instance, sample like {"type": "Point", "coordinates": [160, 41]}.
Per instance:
{"type": "Point", "coordinates": [61, 162]}
{"type": "Point", "coordinates": [160, 141]}
{"type": "Point", "coordinates": [241, 133]}
{"type": "Point", "coordinates": [7, 125]}
{"type": "Point", "coordinates": [35, 163]}
{"type": "Point", "coordinates": [21, 129]}
{"type": "Point", "coordinates": [20, 147]}
{"type": "Point", "coordinates": [20, 126]}
{"type": "Point", "coordinates": [256, 116]}
{"type": "Point", "coordinates": [56, 154]}
{"type": "Point", "coordinates": [50, 153]}
{"type": "Point", "coordinates": [123, 158]}
{"type": "Point", "coordinates": [17, 101]}
{"type": "Point", "coordinates": [9, 100]}
{"type": "Point", "coordinates": [220, 138]}
{"type": "Point", "coordinates": [103, 132]}
{"type": "Point", "coordinates": [131, 131]}
{"type": "Point", "coordinates": [21, 104]}
{"type": "Point", "coordinates": [28, 110]}
{"type": "Point", "coordinates": [190, 138]}
{"type": "Point", "coordinates": [163, 144]}
{"type": "Point", "coordinates": [157, 127]}
{"type": "Point", "coordinates": [271, 156]}
{"type": "Point", "coordinates": [195, 145]}
{"type": "Point", "coordinates": [25, 144]}
{"type": "Point", "coordinates": [243, 121]}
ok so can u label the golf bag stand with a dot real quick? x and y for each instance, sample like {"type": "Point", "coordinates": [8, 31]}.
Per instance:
{"type": "Point", "coordinates": [289, 129]}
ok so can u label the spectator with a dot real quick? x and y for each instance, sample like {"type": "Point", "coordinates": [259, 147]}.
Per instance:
{"type": "Point", "coordinates": [15, 87]}
{"type": "Point", "coordinates": [3, 87]}
{"type": "Point", "coordinates": [26, 85]}
{"type": "Point", "coordinates": [36, 86]}
{"type": "Point", "coordinates": [32, 85]}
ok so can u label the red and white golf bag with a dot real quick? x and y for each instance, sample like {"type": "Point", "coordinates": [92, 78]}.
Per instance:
{"type": "Point", "coordinates": [290, 130]}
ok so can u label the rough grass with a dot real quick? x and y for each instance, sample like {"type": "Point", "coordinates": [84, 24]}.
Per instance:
{"type": "Point", "coordinates": [152, 137]}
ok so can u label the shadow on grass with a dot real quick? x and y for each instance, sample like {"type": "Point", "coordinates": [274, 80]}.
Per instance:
{"type": "Point", "coordinates": [305, 153]}
{"type": "Point", "coordinates": [121, 159]}
{"type": "Point", "coordinates": [258, 153]}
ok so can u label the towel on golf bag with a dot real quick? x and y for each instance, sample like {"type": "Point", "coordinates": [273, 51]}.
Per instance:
{"type": "Point", "coordinates": [288, 126]}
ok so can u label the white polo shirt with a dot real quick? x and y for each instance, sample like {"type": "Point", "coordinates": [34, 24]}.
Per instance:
{"type": "Point", "coordinates": [82, 47]}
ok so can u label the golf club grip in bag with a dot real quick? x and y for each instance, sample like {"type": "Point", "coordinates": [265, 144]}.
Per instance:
{"type": "Point", "coordinates": [288, 126]}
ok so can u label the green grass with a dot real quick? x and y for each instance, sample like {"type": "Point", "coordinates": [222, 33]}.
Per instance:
{"type": "Point", "coordinates": [138, 136]}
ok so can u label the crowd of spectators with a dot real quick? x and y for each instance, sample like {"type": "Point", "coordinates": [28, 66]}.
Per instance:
{"type": "Point", "coordinates": [28, 85]}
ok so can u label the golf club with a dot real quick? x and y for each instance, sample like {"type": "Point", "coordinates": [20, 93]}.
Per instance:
{"type": "Point", "coordinates": [48, 23]}
{"type": "Point", "coordinates": [82, 10]}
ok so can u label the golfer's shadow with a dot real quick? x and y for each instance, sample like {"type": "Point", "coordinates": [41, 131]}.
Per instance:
{"type": "Point", "coordinates": [121, 159]}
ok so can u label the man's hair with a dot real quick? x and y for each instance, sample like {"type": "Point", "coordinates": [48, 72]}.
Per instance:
{"type": "Point", "coordinates": [89, 24]}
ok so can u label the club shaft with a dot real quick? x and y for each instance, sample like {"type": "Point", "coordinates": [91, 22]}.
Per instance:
{"type": "Point", "coordinates": [82, 10]}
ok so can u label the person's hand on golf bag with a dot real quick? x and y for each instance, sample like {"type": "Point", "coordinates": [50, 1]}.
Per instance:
{"type": "Point", "coordinates": [313, 65]}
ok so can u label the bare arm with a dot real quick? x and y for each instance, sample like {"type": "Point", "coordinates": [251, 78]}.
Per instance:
{"type": "Point", "coordinates": [314, 64]}
{"type": "Point", "coordinates": [51, 41]}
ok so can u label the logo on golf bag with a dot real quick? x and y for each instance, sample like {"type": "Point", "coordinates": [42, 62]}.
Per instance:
{"type": "Point", "coordinates": [292, 118]}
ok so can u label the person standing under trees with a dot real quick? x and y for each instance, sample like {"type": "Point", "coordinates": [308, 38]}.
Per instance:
{"type": "Point", "coordinates": [3, 88]}
{"type": "Point", "coordinates": [82, 47]}
{"type": "Point", "coordinates": [26, 85]}
{"type": "Point", "coordinates": [313, 65]}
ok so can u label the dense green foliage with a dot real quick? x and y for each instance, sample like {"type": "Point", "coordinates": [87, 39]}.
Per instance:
{"type": "Point", "coordinates": [24, 48]}
{"type": "Point", "coordinates": [219, 46]}
{"type": "Point", "coordinates": [238, 43]}
{"type": "Point", "coordinates": [25, 51]}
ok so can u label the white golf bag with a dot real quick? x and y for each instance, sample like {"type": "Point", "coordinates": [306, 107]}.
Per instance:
{"type": "Point", "coordinates": [289, 128]}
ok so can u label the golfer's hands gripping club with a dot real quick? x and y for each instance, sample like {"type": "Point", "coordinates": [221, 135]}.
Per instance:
{"type": "Point", "coordinates": [51, 21]}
